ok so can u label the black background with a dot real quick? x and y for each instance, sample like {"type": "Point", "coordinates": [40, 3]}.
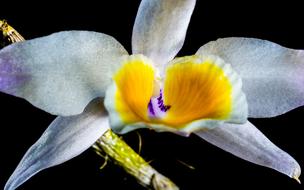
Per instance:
{"type": "Point", "coordinates": [22, 124]}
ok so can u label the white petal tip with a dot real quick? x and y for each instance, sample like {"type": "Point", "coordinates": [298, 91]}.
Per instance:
{"type": "Point", "coordinates": [296, 174]}
{"type": "Point", "coordinates": [297, 179]}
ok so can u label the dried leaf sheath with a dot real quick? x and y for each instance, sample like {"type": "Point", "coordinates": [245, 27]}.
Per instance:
{"type": "Point", "coordinates": [9, 34]}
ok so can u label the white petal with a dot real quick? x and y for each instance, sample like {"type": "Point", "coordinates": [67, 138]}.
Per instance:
{"type": "Point", "coordinates": [64, 139]}
{"type": "Point", "coordinates": [247, 142]}
{"type": "Point", "coordinates": [160, 28]}
{"type": "Point", "coordinates": [60, 73]}
{"type": "Point", "coordinates": [273, 76]}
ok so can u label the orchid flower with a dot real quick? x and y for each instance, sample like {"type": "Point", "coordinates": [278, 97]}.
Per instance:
{"type": "Point", "coordinates": [211, 93]}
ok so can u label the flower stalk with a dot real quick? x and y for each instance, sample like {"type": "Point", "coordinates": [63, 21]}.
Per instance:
{"type": "Point", "coordinates": [115, 148]}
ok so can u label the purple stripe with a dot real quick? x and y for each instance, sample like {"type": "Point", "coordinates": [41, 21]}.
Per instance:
{"type": "Point", "coordinates": [156, 106]}
{"type": "Point", "coordinates": [150, 109]}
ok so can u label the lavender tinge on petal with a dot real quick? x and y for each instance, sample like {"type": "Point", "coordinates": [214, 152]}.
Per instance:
{"type": "Point", "coordinates": [12, 76]}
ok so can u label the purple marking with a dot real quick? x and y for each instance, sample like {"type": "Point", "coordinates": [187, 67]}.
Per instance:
{"type": "Point", "coordinates": [156, 106]}
{"type": "Point", "coordinates": [151, 110]}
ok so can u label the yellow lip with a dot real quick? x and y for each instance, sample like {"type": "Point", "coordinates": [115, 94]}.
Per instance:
{"type": "Point", "coordinates": [194, 88]}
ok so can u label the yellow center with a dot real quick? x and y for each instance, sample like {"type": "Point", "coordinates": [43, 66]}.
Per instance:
{"type": "Point", "coordinates": [135, 83]}
{"type": "Point", "coordinates": [194, 89]}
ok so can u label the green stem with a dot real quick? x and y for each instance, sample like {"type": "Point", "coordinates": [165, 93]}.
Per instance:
{"type": "Point", "coordinates": [131, 162]}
